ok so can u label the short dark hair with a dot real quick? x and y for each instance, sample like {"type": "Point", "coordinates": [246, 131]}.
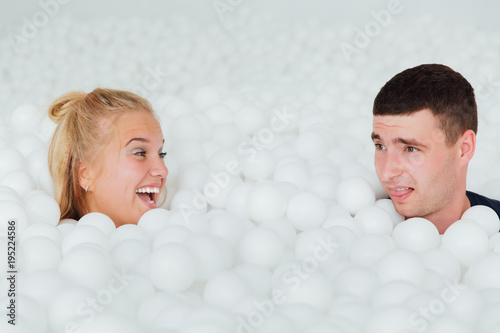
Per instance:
{"type": "Point", "coordinates": [446, 93]}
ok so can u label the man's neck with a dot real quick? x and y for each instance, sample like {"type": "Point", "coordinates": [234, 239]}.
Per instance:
{"type": "Point", "coordinates": [452, 213]}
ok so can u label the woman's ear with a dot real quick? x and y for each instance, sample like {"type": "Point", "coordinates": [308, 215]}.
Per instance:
{"type": "Point", "coordinates": [84, 175]}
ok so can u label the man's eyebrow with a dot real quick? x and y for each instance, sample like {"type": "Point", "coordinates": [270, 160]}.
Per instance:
{"type": "Point", "coordinates": [409, 142]}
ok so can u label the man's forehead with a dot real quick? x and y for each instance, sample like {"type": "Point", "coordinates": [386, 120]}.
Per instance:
{"type": "Point", "coordinates": [421, 126]}
{"type": "Point", "coordinates": [419, 119]}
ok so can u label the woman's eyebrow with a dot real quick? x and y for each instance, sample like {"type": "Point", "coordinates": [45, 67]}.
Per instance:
{"type": "Point", "coordinates": [137, 139]}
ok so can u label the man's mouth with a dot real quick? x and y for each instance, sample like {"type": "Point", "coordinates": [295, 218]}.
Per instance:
{"type": "Point", "coordinates": [148, 194]}
{"type": "Point", "coordinates": [400, 193]}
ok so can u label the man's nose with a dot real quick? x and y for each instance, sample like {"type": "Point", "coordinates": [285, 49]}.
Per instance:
{"type": "Point", "coordinates": [392, 166]}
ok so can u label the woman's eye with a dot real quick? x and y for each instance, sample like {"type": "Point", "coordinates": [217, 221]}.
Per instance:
{"type": "Point", "coordinates": [140, 153]}
{"type": "Point", "coordinates": [162, 155]}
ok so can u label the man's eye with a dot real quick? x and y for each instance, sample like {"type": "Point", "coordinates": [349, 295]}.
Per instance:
{"type": "Point", "coordinates": [411, 149]}
{"type": "Point", "coordinates": [379, 146]}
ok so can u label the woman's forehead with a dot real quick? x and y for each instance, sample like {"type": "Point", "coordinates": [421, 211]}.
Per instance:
{"type": "Point", "coordinates": [138, 123]}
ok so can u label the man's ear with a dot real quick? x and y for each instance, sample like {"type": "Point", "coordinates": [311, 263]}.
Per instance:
{"type": "Point", "coordinates": [467, 145]}
{"type": "Point", "coordinates": [84, 175]}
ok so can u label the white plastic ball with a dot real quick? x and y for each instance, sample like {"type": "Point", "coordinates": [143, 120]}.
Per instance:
{"type": "Point", "coordinates": [37, 254]}
{"type": "Point", "coordinates": [315, 290]}
{"type": "Point", "coordinates": [249, 120]}
{"type": "Point", "coordinates": [466, 240]}
{"type": "Point", "coordinates": [306, 211]}
{"type": "Point", "coordinates": [42, 286]}
{"type": "Point", "coordinates": [311, 144]}
{"type": "Point", "coordinates": [41, 208]}
{"type": "Point", "coordinates": [484, 216]}
{"type": "Point", "coordinates": [368, 249]}
{"type": "Point", "coordinates": [28, 144]}
{"type": "Point", "coordinates": [26, 119]}
{"type": "Point", "coordinates": [355, 193]}
{"type": "Point", "coordinates": [172, 234]}
{"type": "Point", "coordinates": [284, 229]}
{"type": "Point", "coordinates": [401, 265]}
{"type": "Point", "coordinates": [31, 316]}
{"type": "Point", "coordinates": [316, 244]}
{"type": "Point", "coordinates": [227, 135]}
{"type": "Point", "coordinates": [220, 114]}
{"type": "Point", "coordinates": [266, 202]}
{"type": "Point", "coordinates": [12, 211]}
{"type": "Point", "coordinates": [484, 272]}
{"type": "Point", "coordinates": [12, 160]}
{"type": "Point", "coordinates": [173, 267]}
{"type": "Point", "coordinates": [193, 176]}
{"type": "Point", "coordinates": [207, 96]}
{"type": "Point", "coordinates": [86, 266]}
{"type": "Point", "coordinates": [127, 253]}
{"type": "Point", "coordinates": [185, 127]}
{"type": "Point", "coordinates": [257, 164]}
{"type": "Point", "coordinates": [374, 220]}
{"type": "Point", "coordinates": [189, 199]}
{"type": "Point", "coordinates": [187, 151]}
{"type": "Point", "coordinates": [225, 289]}
{"type": "Point", "coordinates": [44, 230]}
{"type": "Point", "coordinates": [128, 231]}
{"type": "Point", "coordinates": [388, 205]}
{"type": "Point", "coordinates": [176, 107]}
{"type": "Point", "coordinates": [213, 253]}
{"type": "Point", "coordinates": [346, 221]}
{"type": "Point", "coordinates": [106, 322]}
{"type": "Point", "coordinates": [228, 227]}
{"type": "Point", "coordinates": [20, 181]}
{"type": "Point", "coordinates": [442, 262]}
{"type": "Point", "coordinates": [390, 319]}
{"type": "Point", "coordinates": [324, 185]}
{"type": "Point", "coordinates": [393, 293]}
{"type": "Point", "coordinates": [294, 173]}
{"type": "Point", "coordinates": [82, 235]}
{"type": "Point", "coordinates": [224, 160]}
{"type": "Point", "coordinates": [154, 220]}
{"type": "Point", "coordinates": [236, 201]}
{"type": "Point", "coordinates": [62, 311]}
{"type": "Point", "coordinates": [416, 234]}
{"type": "Point", "coordinates": [257, 277]}
{"type": "Point", "coordinates": [356, 281]}
{"type": "Point", "coordinates": [99, 221]}
{"type": "Point", "coordinates": [261, 246]}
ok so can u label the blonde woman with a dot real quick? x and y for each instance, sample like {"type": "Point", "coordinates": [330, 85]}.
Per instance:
{"type": "Point", "coordinates": [106, 155]}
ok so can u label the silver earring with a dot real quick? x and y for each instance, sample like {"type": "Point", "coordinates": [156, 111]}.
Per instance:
{"type": "Point", "coordinates": [87, 188]}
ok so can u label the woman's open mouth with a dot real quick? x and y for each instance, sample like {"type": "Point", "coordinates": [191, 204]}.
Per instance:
{"type": "Point", "coordinates": [148, 195]}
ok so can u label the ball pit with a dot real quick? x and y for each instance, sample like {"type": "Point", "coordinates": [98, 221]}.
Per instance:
{"type": "Point", "coordinates": [274, 220]}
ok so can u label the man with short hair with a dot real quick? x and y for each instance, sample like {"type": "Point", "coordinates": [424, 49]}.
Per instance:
{"type": "Point", "coordinates": [424, 131]}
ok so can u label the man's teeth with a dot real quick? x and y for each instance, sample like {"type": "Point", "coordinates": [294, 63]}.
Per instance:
{"type": "Point", "coordinates": [148, 190]}
{"type": "Point", "coordinates": [402, 189]}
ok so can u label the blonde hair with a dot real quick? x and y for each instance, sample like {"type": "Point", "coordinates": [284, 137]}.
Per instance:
{"type": "Point", "coordinates": [79, 137]}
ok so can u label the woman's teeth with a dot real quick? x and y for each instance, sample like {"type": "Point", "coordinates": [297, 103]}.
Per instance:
{"type": "Point", "coordinates": [148, 190]}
